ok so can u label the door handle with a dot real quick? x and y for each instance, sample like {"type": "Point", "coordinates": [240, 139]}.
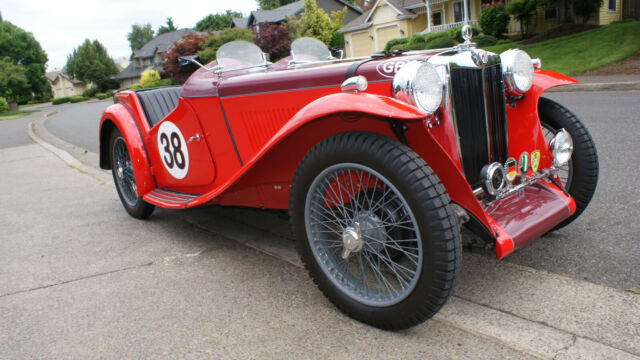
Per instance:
{"type": "Point", "coordinates": [194, 137]}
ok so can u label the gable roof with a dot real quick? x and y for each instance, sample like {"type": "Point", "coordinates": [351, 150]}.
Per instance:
{"type": "Point", "coordinates": [242, 22]}
{"type": "Point", "coordinates": [53, 75]}
{"type": "Point", "coordinates": [403, 8]}
{"type": "Point", "coordinates": [278, 15]}
{"type": "Point", "coordinates": [161, 43]}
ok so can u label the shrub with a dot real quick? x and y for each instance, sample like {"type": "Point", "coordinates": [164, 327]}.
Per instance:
{"type": "Point", "coordinates": [274, 40]}
{"type": "Point", "coordinates": [76, 99]}
{"type": "Point", "coordinates": [149, 78]}
{"type": "Point", "coordinates": [187, 45]}
{"type": "Point", "coordinates": [456, 32]}
{"type": "Point", "coordinates": [440, 42]}
{"type": "Point", "coordinates": [90, 92]}
{"type": "Point", "coordinates": [484, 40]}
{"type": "Point", "coordinates": [109, 84]}
{"type": "Point", "coordinates": [337, 40]}
{"type": "Point", "coordinates": [4, 105]}
{"type": "Point", "coordinates": [394, 42]}
{"type": "Point", "coordinates": [60, 100]}
{"type": "Point", "coordinates": [134, 87]}
{"type": "Point", "coordinates": [101, 96]}
{"type": "Point", "coordinates": [494, 20]}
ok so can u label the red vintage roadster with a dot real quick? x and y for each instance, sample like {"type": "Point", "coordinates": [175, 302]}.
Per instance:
{"type": "Point", "coordinates": [379, 160]}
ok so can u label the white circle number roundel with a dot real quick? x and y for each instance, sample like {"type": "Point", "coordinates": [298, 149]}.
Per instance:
{"type": "Point", "coordinates": [173, 150]}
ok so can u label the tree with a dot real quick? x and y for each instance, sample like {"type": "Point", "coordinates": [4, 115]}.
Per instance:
{"type": "Point", "coordinates": [494, 20]}
{"type": "Point", "coordinates": [139, 35]}
{"type": "Point", "coordinates": [25, 51]}
{"type": "Point", "coordinates": [168, 28]}
{"type": "Point", "coordinates": [91, 63]}
{"type": "Point", "coordinates": [272, 4]}
{"type": "Point", "coordinates": [586, 8]}
{"type": "Point", "coordinates": [273, 39]}
{"type": "Point", "coordinates": [211, 45]}
{"type": "Point", "coordinates": [187, 45]}
{"type": "Point", "coordinates": [523, 11]}
{"type": "Point", "coordinates": [14, 84]}
{"type": "Point", "coordinates": [217, 22]}
{"type": "Point", "coordinates": [314, 22]}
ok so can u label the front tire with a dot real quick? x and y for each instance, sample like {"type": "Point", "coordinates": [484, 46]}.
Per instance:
{"type": "Point", "coordinates": [123, 177]}
{"type": "Point", "coordinates": [580, 175]}
{"type": "Point", "coordinates": [375, 230]}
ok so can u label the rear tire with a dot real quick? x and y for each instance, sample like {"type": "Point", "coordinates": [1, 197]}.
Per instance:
{"type": "Point", "coordinates": [407, 232]}
{"type": "Point", "coordinates": [124, 179]}
{"type": "Point", "coordinates": [582, 176]}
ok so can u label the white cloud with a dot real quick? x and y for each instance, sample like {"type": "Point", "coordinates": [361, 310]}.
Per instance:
{"type": "Point", "coordinates": [60, 26]}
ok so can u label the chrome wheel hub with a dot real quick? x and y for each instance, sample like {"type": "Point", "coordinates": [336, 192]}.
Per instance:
{"type": "Point", "coordinates": [352, 240]}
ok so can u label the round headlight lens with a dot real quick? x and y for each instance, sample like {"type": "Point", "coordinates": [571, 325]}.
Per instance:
{"type": "Point", "coordinates": [419, 84]}
{"type": "Point", "coordinates": [493, 178]}
{"type": "Point", "coordinates": [562, 147]}
{"type": "Point", "coordinates": [517, 69]}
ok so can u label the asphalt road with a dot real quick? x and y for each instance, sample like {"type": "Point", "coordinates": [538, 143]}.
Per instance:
{"type": "Point", "coordinates": [602, 245]}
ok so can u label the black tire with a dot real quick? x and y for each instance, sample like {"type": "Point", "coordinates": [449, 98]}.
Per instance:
{"type": "Point", "coordinates": [124, 179]}
{"type": "Point", "coordinates": [437, 228]}
{"type": "Point", "coordinates": [583, 176]}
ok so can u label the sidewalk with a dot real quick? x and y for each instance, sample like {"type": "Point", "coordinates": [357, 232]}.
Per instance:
{"type": "Point", "coordinates": [500, 309]}
{"type": "Point", "coordinates": [602, 83]}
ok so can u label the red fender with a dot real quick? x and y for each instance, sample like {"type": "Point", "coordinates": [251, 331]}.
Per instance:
{"type": "Point", "coordinates": [119, 115]}
{"type": "Point", "coordinates": [339, 103]}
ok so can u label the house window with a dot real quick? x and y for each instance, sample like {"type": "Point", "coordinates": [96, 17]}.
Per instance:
{"type": "Point", "coordinates": [612, 5]}
{"type": "Point", "coordinates": [437, 19]}
{"type": "Point", "coordinates": [458, 14]}
{"type": "Point", "coordinates": [551, 13]}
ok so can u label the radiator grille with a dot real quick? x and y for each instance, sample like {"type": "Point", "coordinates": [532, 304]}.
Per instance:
{"type": "Point", "coordinates": [479, 107]}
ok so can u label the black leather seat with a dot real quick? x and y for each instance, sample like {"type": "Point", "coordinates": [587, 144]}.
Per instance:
{"type": "Point", "coordinates": [157, 103]}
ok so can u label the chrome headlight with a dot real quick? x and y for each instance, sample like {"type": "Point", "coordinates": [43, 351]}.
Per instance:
{"type": "Point", "coordinates": [561, 147]}
{"type": "Point", "coordinates": [418, 84]}
{"type": "Point", "coordinates": [517, 70]}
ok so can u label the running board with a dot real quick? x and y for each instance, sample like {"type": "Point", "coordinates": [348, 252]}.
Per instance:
{"type": "Point", "coordinates": [168, 198]}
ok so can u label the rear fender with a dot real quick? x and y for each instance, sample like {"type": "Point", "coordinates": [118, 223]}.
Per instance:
{"type": "Point", "coordinates": [118, 116]}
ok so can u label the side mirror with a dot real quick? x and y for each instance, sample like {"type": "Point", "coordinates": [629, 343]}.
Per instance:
{"type": "Point", "coordinates": [184, 61]}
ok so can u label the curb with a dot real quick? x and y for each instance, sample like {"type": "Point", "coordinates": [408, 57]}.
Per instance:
{"type": "Point", "coordinates": [621, 86]}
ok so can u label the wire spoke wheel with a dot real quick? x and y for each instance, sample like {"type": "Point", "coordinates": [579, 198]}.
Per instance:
{"type": "Point", "coordinates": [123, 171]}
{"type": "Point", "coordinates": [124, 178]}
{"type": "Point", "coordinates": [363, 234]}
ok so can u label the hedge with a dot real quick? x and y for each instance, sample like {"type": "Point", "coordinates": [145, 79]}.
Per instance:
{"type": "Point", "coordinates": [484, 40]}
{"type": "Point", "coordinates": [4, 105]}
{"type": "Point", "coordinates": [76, 99]}
{"type": "Point", "coordinates": [101, 96]}
{"type": "Point", "coordinates": [60, 100]}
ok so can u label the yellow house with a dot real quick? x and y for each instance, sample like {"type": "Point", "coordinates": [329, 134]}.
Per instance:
{"type": "Point", "coordinates": [391, 19]}
{"type": "Point", "coordinates": [63, 86]}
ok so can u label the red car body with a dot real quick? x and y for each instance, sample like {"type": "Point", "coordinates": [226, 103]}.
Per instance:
{"type": "Point", "coordinates": [248, 130]}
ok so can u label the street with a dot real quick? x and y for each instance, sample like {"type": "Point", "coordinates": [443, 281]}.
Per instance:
{"type": "Point", "coordinates": [600, 246]}
{"type": "Point", "coordinates": [82, 279]}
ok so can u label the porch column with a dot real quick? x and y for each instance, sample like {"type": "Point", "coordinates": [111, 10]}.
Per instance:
{"type": "Point", "coordinates": [426, 4]}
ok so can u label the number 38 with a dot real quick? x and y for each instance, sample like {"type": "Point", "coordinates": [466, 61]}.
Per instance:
{"type": "Point", "coordinates": [173, 154]}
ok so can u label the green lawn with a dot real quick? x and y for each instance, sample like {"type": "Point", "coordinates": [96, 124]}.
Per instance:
{"type": "Point", "coordinates": [584, 51]}
{"type": "Point", "coordinates": [15, 114]}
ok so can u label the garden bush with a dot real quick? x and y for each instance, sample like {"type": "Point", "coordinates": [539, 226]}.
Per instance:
{"type": "Point", "coordinates": [456, 32]}
{"type": "Point", "coordinates": [393, 42]}
{"type": "Point", "coordinates": [4, 105]}
{"type": "Point", "coordinates": [494, 20]}
{"type": "Point", "coordinates": [76, 99]}
{"type": "Point", "coordinates": [484, 40]}
{"type": "Point", "coordinates": [134, 87]}
{"type": "Point", "coordinates": [101, 96]}
{"type": "Point", "coordinates": [60, 100]}
{"type": "Point", "coordinates": [90, 92]}
{"type": "Point", "coordinates": [149, 78]}
{"type": "Point", "coordinates": [440, 42]}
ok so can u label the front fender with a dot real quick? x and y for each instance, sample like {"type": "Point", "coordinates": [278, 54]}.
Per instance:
{"type": "Point", "coordinates": [120, 117]}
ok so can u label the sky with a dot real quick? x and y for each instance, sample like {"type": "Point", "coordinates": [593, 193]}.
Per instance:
{"type": "Point", "coordinates": [62, 25]}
